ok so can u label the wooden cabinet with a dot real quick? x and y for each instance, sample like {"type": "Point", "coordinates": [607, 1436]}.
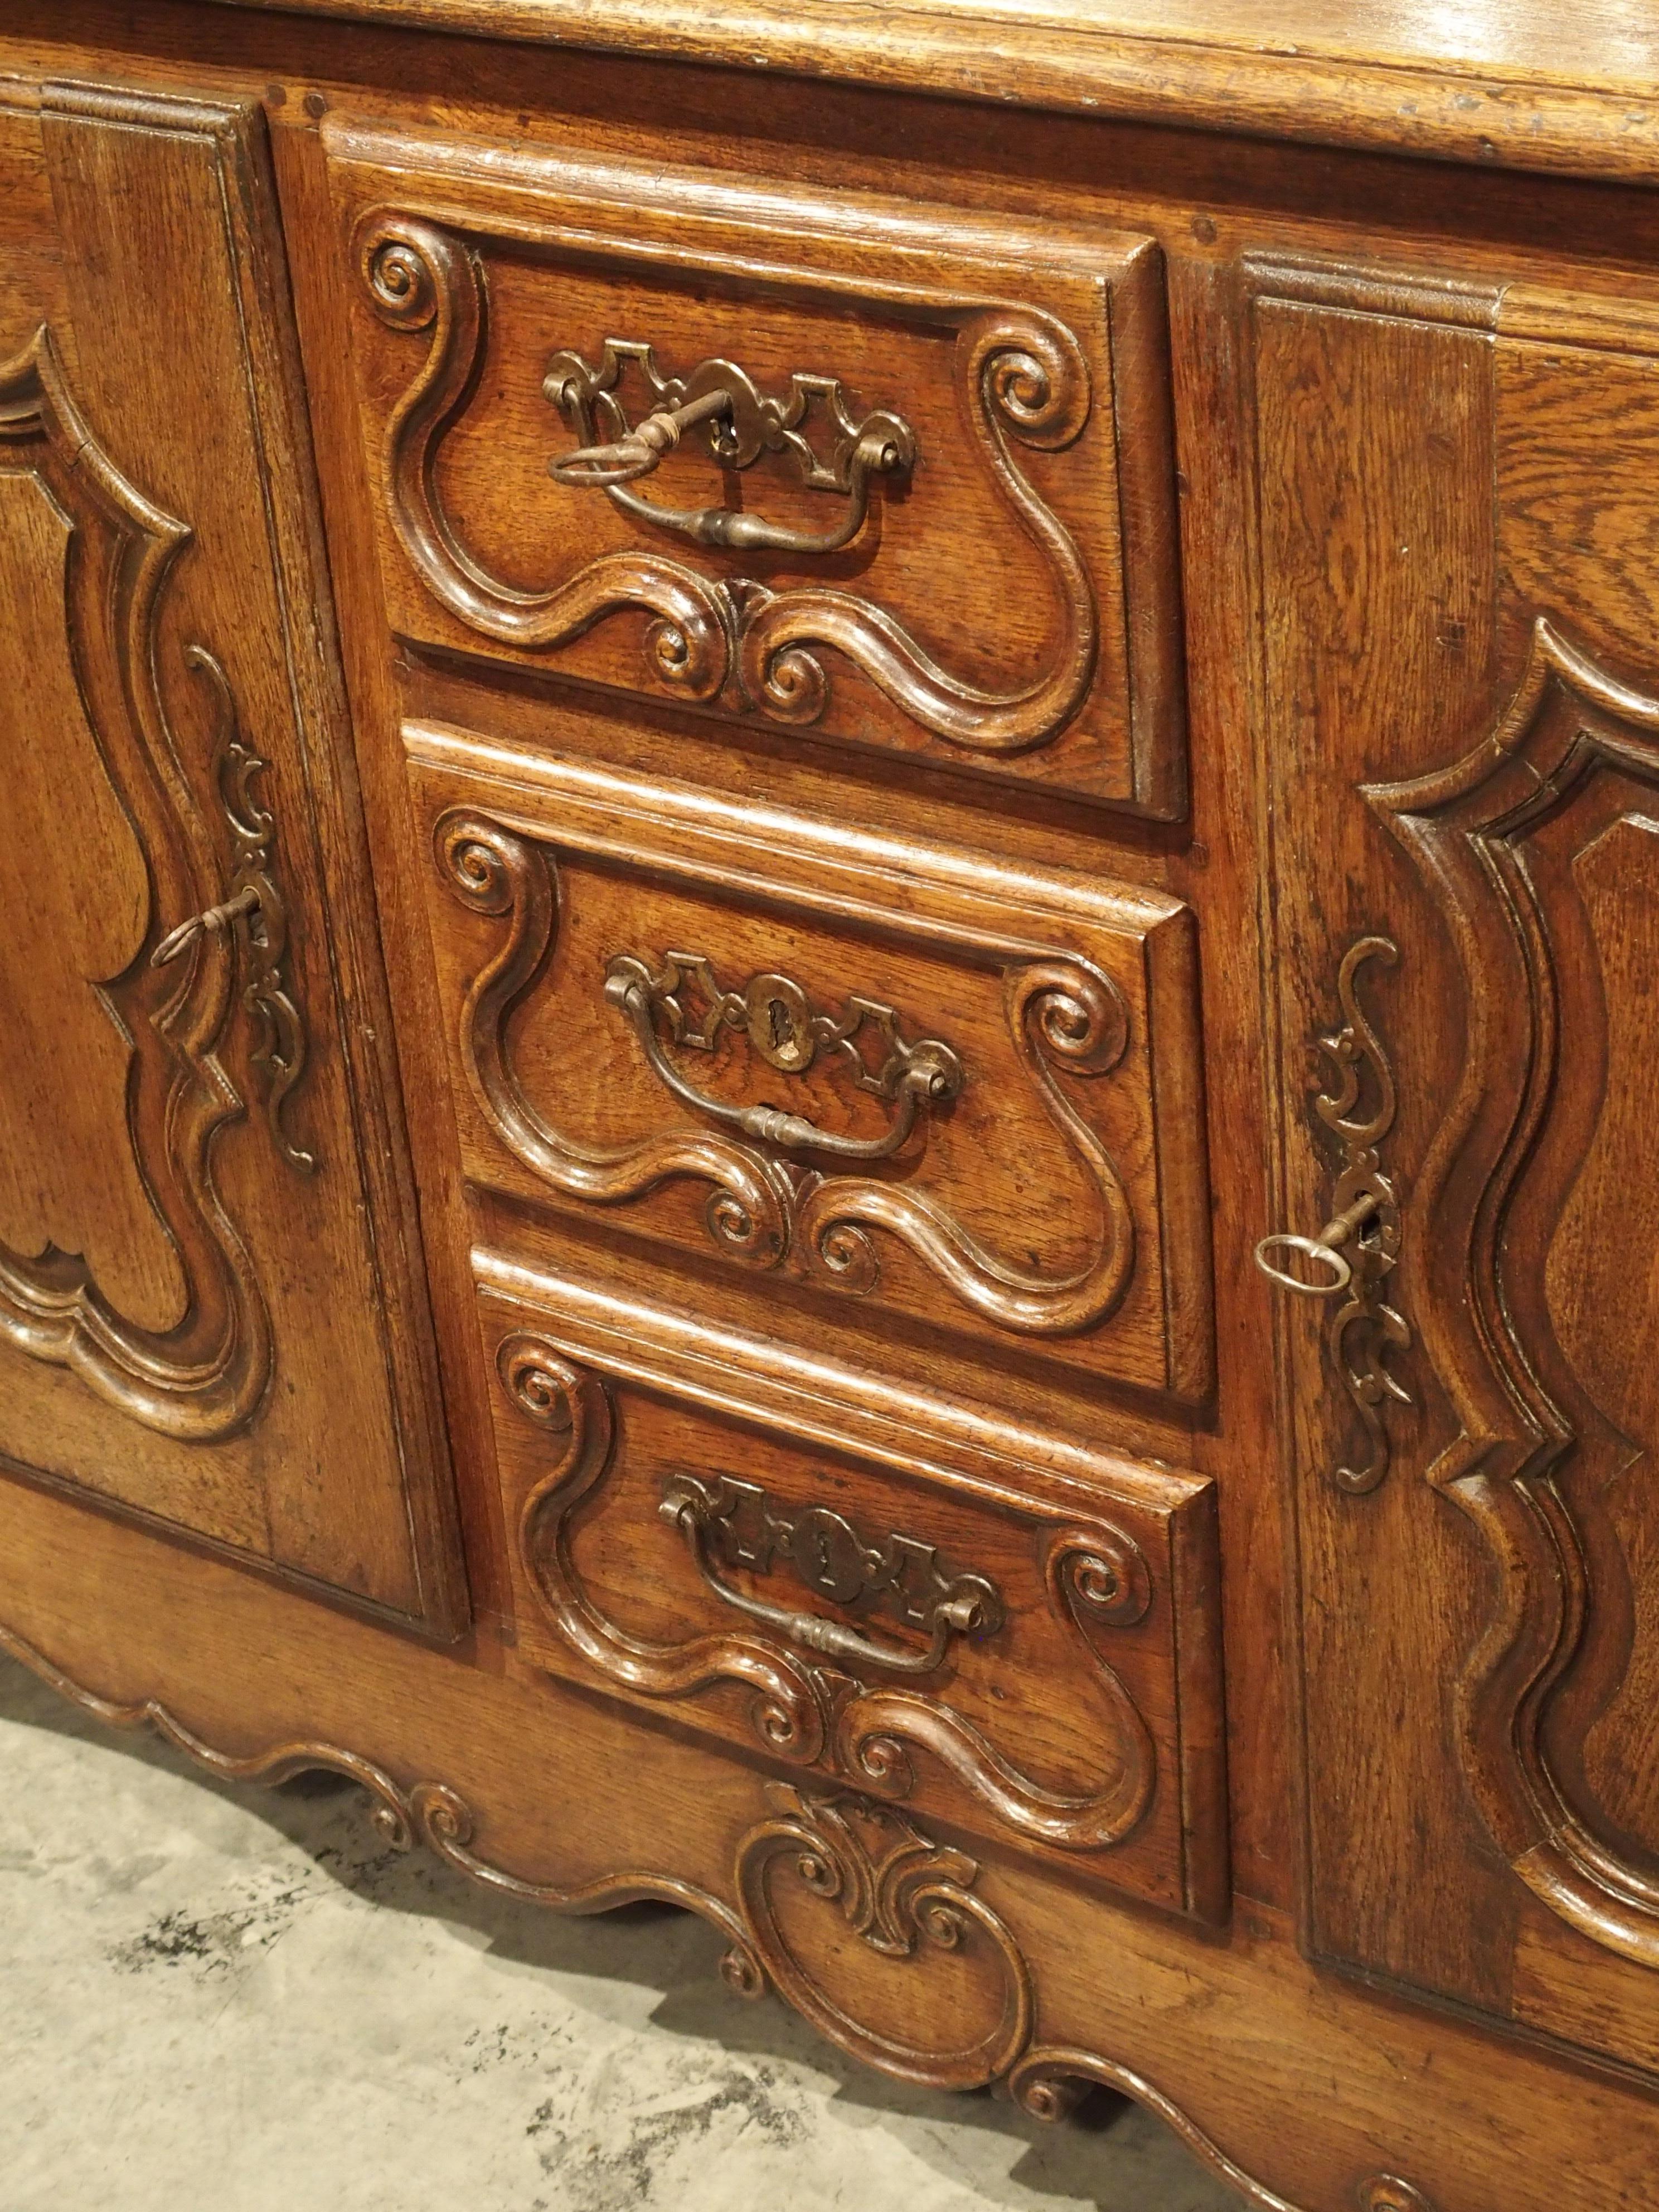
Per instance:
{"type": "Point", "coordinates": [827, 911]}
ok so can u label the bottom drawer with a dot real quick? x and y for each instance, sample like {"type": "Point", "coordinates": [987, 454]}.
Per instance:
{"type": "Point", "coordinates": [1017, 1635]}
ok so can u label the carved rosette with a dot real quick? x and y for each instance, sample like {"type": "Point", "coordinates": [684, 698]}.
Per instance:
{"type": "Point", "coordinates": [1503, 839]}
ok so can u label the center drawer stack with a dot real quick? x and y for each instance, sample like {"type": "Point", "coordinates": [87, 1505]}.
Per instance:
{"type": "Point", "coordinates": [832, 1183]}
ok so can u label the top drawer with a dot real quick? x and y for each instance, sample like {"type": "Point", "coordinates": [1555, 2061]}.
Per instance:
{"type": "Point", "coordinates": [921, 499]}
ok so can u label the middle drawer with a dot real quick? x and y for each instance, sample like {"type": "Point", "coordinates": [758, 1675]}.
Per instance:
{"type": "Point", "coordinates": [907, 1087]}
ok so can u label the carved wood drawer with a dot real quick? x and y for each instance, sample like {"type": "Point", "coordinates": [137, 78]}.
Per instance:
{"type": "Point", "coordinates": [906, 481]}
{"type": "Point", "coordinates": [897, 1087]}
{"type": "Point", "coordinates": [1011, 1633]}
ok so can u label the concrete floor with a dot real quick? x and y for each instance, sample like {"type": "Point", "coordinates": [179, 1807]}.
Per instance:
{"type": "Point", "coordinates": [221, 2000]}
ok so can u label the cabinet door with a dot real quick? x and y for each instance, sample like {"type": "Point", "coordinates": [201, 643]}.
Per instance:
{"type": "Point", "coordinates": [1459, 502]}
{"type": "Point", "coordinates": [207, 1314]}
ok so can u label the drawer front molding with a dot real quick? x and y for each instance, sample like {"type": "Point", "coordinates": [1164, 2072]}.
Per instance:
{"type": "Point", "coordinates": [1046, 1661]}
{"type": "Point", "coordinates": [1023, 397]}
{"type": "Point", "coordinates": [1022, 377]}
{"type": "Point", "coordinates": [1071, 1041]}
{"type": "Point", "coordinates": [1093, 1574]}
{"type": "Point", "coordinates": [763, 1208]}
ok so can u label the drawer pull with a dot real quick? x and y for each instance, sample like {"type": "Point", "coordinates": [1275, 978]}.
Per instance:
{"type": "Point", "coordinates": [740, 423]}
{"type": "Point", "coordinates": [1359, 1246]}
{"type": "Point", "coordinates": [831, 1557]}
{"type": "Point", "coordinates": [788, 1032]}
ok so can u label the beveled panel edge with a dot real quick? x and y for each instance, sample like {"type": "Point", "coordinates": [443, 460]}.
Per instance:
{"type": "Point", "coordinates": [955, 1440]}
{"type": "Point", "coordinates": [580, 804]}
{"type": "Point", "coordinates": [538, 180]}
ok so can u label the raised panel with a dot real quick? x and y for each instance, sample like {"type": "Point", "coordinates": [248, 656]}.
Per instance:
{"type": "Point", "coordinates": [1538, 849]}
{"type": "Point", "coordinates": [895, 1085]}
{"type": "Point", "coordinates": [1017, 1635]}
{"type": "Point", "coordinates": [62, 1182]}
{"type": "Point", "coordinates": [936, 518]}
{"type": "Point", "coordinates": [201, 1320]}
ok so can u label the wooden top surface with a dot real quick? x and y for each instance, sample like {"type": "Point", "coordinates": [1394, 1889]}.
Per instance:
{"type": "Point", "coordinates": [1529, 85]}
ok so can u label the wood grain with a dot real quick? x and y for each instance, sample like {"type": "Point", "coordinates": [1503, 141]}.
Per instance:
{"type": "Point", "coordinates": [1388, 78]}
{"type": "Point", "coordinates": [1366, 437]}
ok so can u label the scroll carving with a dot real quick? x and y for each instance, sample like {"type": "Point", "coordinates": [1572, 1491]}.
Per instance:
{"type": "Point", "coordinates": [1095, 1575]}
{"type": "Point", "coordinates": [1026, 385]}
{"type": "Point", "coordinates": [903, 1896]}
{"type": "Point", "coordinates": [1063, 1014]}
{"type": "Point", "coordinates": [908, 1900]}
{"type": "Point", "coordinates": [203, 1379]}
{"type": "Point", "coordinates": [1572, 752]}
{"type": "Point", "coordinates": [279, 1052]}
{"type": "Point", "coordinates": [421, 276]}
{"type": "Point", "coordinates": [430, 1813]}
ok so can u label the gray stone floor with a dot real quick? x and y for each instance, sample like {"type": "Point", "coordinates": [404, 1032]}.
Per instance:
{"type": "Point", "coordinates": [218, 2000]}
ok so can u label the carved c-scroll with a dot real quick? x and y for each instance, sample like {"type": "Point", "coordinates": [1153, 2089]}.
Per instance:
{"type": "Point", "coordinates": [421, 276]}
{"type": "Point", "coordinates": [204, 1379]}
{"type": "Point", "coordinates": [1063, 1013]}
{"type": "Point", "coordinates": [1060, 1012]}
{"type": "Point", "coordinates": [1095, 1576]}
{"type": "Point", "coordinates": [1562, 1622]}
{"type": "Point", "coordinates": [574, 1407]}
{"type": "Point", "coordinates": [1025, 381]}
{"type": "Point", "coordinates": [495, 873]}
{"type": "Point", "coordinates": [1026, 378]}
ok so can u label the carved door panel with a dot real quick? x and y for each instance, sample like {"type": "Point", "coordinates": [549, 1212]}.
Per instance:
{"type": "Point", "coordinates": [200, 1319]}
{"type": "Point", "coordinates": [1458, 534]}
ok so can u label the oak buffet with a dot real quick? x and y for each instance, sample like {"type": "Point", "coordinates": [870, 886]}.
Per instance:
{"type": "Point", "coordinates": [829, 917]}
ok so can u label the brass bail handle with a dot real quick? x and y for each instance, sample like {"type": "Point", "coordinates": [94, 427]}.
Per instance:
{"type": "Point", "coordinates": [1325, 1249]}
{"type": "Point", "coordinates": [639, 452]}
